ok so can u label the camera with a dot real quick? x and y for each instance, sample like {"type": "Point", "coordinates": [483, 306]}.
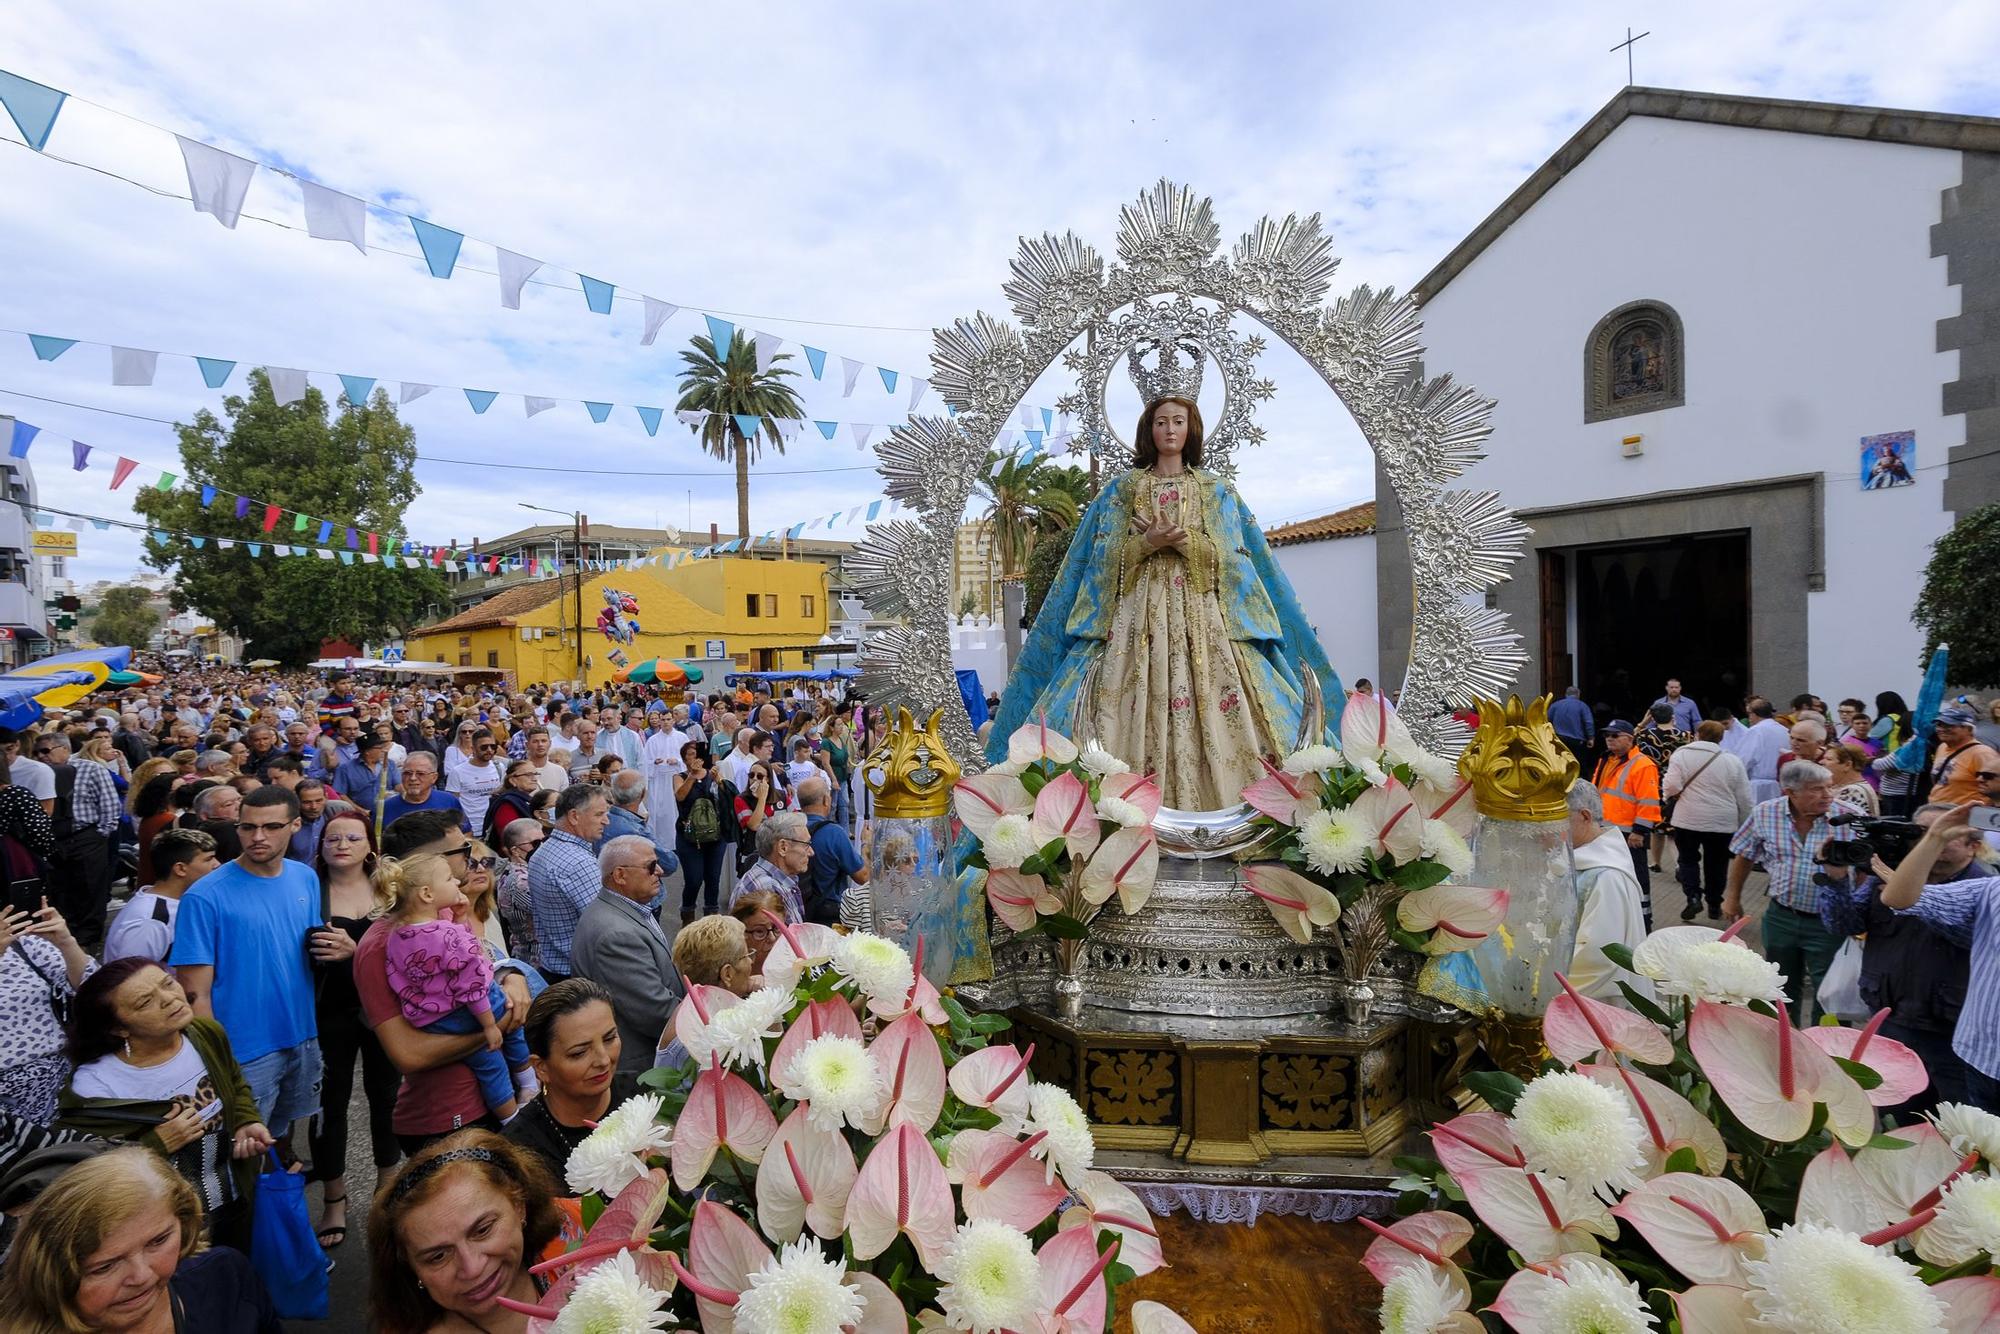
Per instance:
{"type": "Point", "coordinates": [1891, 840]}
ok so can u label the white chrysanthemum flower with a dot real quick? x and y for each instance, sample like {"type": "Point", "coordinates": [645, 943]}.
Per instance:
{"type": "Point", "coordinates": [1711, 970]}
{"type": "Point", "coordinates": [1570, 1126]}
{"type": "Point", "coordinates": [1967, 1222]}
{"type": "Point", "coordinates": [1592, 1298]}
{"type": "Point", "coordinates": [737, 1033]}
{"type": "Point", "coordinates": [1416, 1301]}
{"type": "Point", "coordinates": [992, 1280]}
{"type": "Point", "coordinates": [1969, 1129]}
{"type": "Point", "coordinates": [838, 1080]}
{"type": "Point", "coordinates": [1447, 846]}
{"type": "Point", "coordinates": [1121, 811]}
{"type": "Point", "coordinates": [1820, 1280]}
{"type": "Point", "coordinates": [878, 965]}
{"type": "Point", "coordinates": [1434, 769]}
{"type": "Point", "coordinates": [613, 1156]}
{"type": "Point", "coordinates": [1009, 843]}
{"type": "Point", "coordinates": [1335, 841]}
{"type": "Point", "coordinates": [612, 1299]}
{"type": "Point", "coordinates": [1312, 760]}
{"type": "Point", "coordinates": [1068, 1148]}
{"type": "Point", "coordinates": [1102, 762]}
{"type": "Point", "coordinates": [799, 1293]}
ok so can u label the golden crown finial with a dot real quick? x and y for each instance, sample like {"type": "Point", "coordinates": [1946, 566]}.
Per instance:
{"type": "Point", "coordinates": [912, 772]}
{"type": "Point", "coordinates": [1518, 767]}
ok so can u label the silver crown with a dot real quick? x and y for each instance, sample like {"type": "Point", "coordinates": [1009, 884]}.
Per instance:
{"type": "Point", "coordinates": [1169, 378]}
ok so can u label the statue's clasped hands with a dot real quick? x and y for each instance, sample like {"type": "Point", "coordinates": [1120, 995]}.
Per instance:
{"type": "Point", "coordinates": [1164, 534]}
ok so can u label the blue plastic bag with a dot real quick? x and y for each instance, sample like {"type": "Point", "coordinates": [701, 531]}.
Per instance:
{"type": "Point", "coordinates": [283, 1248]}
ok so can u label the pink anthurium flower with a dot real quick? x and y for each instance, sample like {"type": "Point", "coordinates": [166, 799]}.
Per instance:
{"type": "Point", "coordinates": [1038, 741]}
{"type": "Point", "coordinates": [1449, 805]}
{"type": "Point", "coordinates": [1457, 916]}
{"type": "Point", "coordinates": [1391, 811]}
{"type": "Point", "coordinates": [1297, 904]}
{"type": "Point", "coordinates": [996, 1079]}
{"type": "Point", "coordinates": [819, 1019]}
{"type": "Point", "coordinates": [626, 1224]}
{"type": "Point", "coordinates": [882, 1310]}
{"type": "Point", "coordinates": [1153, 1318]}
{"type": "Point", "coordinates": [1971, 1304]}
{"type": "Point", "coordinates": [1127, 862]}
{"type": "Point", "coordinates": [804, 1180]}
{"type": "Point", "coordinates": [1577, 1027]}
{"type": "Point", "coordinates": [1771, 1078]}
{"type": "Point", "coordinates": [1878, 1191]}
{"type": "Point", "coordinates": [1476, 1142]}
{"type": "Point", "coordinates": [999, 1177]}
{"type": "Point", "coordinates": [923, 997]}
{"type": "Point", "coordinates": [722, 1112]}
{"type": "Point", "coordinates": [801, 946]}
{"type": "Point", "coordinates": [1286, 798]}
{"type": "Point", "coordinates": [902, 1190]}
{"type": "Point", "coordinates": [1716, 1308]}
{"type": "Point", "coordinates": [1368, 730]}
{"type": "Point", "coordinates": [1016, 899]}
{"type": "Point", "coordinates": [1671, 1122]}
{"type": "Point", "coordinates": [1140, 791]}
{"type": "Point", "coordinates": [695, 1013]}
{"type": "Point", "coordinates": [1540, 1216]}
{"type": "Point", "coordinates": [1424, 1241]}
{"type": "Point", "coordinates": [1063, 811]}
{"type": "Point", "coordinates": [1525, 1299]}
{"type": "Point", "coordinates": [723, 1252]}
{"type": "Point", "coordinates": [1706, 1227]}
{"type": "Point", "coordinates": [913, 1064]}
{"type": "Point", "coordinates": [1110, 1204]}
{"type": "Point", "coordinates": [1073, 1292]}
{"type": "Point", "coordinates": [1902, 1070]}
{"type": "Point", "coordinates": [983, 799]}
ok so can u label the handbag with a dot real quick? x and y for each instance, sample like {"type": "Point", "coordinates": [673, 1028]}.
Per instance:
{"type": "Point", "coordinates": [1840, 989]}
{"type": "Point", "coordinates": [283, 1249]}
{"type": "Point", "coordinates": [1667, 804]}
{"type": "Point", "coordinates": [61, 998]}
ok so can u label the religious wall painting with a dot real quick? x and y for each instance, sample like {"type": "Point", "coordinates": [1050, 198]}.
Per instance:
{"type": "Point", "coordinates": [1634, 362]}
{"type": "Point", "coordinates": [1888, 460]}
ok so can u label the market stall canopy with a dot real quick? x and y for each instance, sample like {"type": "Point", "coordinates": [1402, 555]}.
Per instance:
{"type": "Point", "coordinates": [51, 683]}
{"type": "Point", "coordinates": [262, 662]}
{"type": "Point", "coordinates": [823, 674]}
{"type": "Point", "coordinates": [132, 679]}
{"type": "Point", "coordinates": [657, 672]}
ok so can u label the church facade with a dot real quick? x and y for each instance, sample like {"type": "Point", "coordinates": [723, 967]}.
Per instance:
{"type": "Point", "coordinates": [1747, 358]}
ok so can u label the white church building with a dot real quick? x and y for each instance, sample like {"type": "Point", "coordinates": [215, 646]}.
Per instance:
{"type": "Point", "coordinates": [1747, 359]}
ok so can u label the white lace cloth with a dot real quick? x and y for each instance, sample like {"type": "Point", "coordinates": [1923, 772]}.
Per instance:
{"type": "Point", "coordinates": [1243, 1204]}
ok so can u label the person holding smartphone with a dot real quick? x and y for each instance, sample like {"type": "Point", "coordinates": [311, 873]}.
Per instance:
{"type": "Point", "coordinates": [758, 801]}
{"type": "Point", "coordinates": [41, 966]}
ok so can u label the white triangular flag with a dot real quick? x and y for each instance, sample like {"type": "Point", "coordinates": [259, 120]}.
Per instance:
{"type": "Point", "coordinates": [1030, 419]}
{"type": "Point", "coordinates": [133, 365]}
{"type": "Point", "coordinates": [852, 369]}
{"type": "Point", "coordinates": [917, 388]}
{"type": "Point", "coordinates": [768, 346]}
{"type": "Point", "coordinates": [413, 391]}
{"type": "Point", "coordinates": [535, 405]}
{"type": "Point", "coordinates": [515, 270]}
{"type": "Point", "coordinates": [657, 313]}
{"type": "Point", "coordinates": [325, 553]}
{"type": "Point", "coordinates": [225, 543]}
{"type": "Point", "coordinates": [287, 386]}
{"type": "Point", "coordinates": [690, 416]}
{"type": "Point", "coordinates": [1004, 438]}
{"type": "Point", "coordinates": [217, 180]}
{"type": "Point", "coordinates": [369, 558]}
{"type": "Point", "coordinates": [789, 428]}
{"type": "Point", "coordinates": [861, 431]}
{"type": "Point", "coordinates": [333, 216]}
{"type": "Point", "coordinates": [853, 514]}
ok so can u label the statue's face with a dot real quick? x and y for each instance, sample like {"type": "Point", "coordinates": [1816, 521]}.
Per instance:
{"type": "Point", "coordinates": [1170, 428]}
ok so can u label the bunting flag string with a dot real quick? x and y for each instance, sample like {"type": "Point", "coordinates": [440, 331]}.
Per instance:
{"type": "Point", "coordinates": [132, 366]}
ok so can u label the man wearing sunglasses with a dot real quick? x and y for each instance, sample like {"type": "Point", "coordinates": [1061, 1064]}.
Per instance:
{"type": "Point", "coordinates": [475, 782]}
{"type": "Point", "coordinates": [621, 946]}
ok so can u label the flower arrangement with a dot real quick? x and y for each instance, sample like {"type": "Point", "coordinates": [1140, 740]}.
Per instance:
{"type": "Point", "coordinates": [800, 1176]}
{"type": "Point", "coordinates": [1699, 1164]}
{"type": "Point", "coordinates": [1378, 824]}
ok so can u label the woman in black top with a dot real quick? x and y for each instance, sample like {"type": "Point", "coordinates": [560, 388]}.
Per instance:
{"type": "Point", "coordinates": [572, 1038]}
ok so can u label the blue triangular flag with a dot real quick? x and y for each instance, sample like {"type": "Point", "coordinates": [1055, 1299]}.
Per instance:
{"type": "Point", "coordinates": [720, 332]}
{"type": "Point", "coordinates": [440, 246]}
{"type": "Point", "coordinates": [827, 428]}
{"type": "Point", "coordinates": [198, 542]}
{"type": "Point", "coordinates": [102, 525]}
{"type": "Point", "coordinates": [874, 509]}
{"type": "Point", "coordinates": [256, 548]}
{"type": "Point", "coordinates": [888, 378]}
{"type": "Point", "coordinates": [43, 519]}
{"type": "Point", "coordinates": [746, 422]}
{"type": "Point", "coordinates": [1048, 419]}
{"type": "Point", "coordinates": [24, 435]}
{"type": "Point", "coordinates": [795, 530]}
{"type": "Point", "coordinates": [481, 399]}
{"type": "Point", "coordinates": [598, 411]}
{"type": "Point", "coordinates": [1034, 441]}
{"type": "Point", "coordinates": [214, 373]}
{"type": "Point", "coordinates": [651, 417]}
{"type": "Point", "coordinates": [207, 496]}
{"type": "Point", "coordinates": [816, 358]}
{"type": "Point", "coordinates": [48, 348]}
{"type": "Point", "coordinates": [32, 105]}
{"type": "Point", "coordinates": [325, 529]}
{"type": "Point", "coordinates": [597, 294]}
{"type": "Point", "coordinates": [358, 388]}
{"type": "Point", "coordinates": [346, 558]}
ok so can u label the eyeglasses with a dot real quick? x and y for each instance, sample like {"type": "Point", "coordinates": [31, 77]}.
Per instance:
{"type": "Point", "coordinates": [650, 868]}
{"type": "Point", "coordinates": [248, 829]}
{"type": "Point", "coordinates": [482, 863]}
{"type": "Point", "coordinates": [761, 932]}
{"type": "Point", "coordinates": [1985, 777]}
{"type": "Point", "coordinates": [462, 850]}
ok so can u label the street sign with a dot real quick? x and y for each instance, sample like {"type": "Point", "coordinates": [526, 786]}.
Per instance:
{"type": "Point", "coordinates": [716, 649]}
{"type": "Point", "coordinates": [49, 543]}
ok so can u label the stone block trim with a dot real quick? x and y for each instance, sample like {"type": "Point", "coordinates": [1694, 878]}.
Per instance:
{"type": "Point", "coordinates": [1967, 236]}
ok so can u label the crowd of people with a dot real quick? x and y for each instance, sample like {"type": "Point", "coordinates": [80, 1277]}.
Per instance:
{"type": "Point", "coordinates": [456, 897]}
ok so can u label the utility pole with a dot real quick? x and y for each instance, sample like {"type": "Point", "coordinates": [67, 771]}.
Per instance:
{"type": "Point", "coordinates": [579, 525]}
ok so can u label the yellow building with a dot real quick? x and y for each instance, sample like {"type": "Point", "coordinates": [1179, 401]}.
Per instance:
{"type": "Point", "coordinates": [761, 614]}
{"type": "Point", "coordinates": [975, 569]}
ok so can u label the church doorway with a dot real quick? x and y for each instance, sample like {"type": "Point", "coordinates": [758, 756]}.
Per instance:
{"type": "Point", "coordinates": [1645, 611]}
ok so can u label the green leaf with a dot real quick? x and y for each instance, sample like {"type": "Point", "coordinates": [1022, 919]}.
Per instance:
{"type": "Point", "coordinates": [991, 1023]}
{"type": "Point", "coordinates": [1064, 927]}
{"type": "Point", "coordinates": [1033, 779]}
{"type": "Point", "coordinates": [1408, 939]}
{"type": "Point", "coordinates": [1888, 1142]}
{"type": "Point", "coordinates": [1497, 1087]}
{"type": "Point", "coordinates": [1863, 1075]}
{"type": "Point", "coordinates": [593, 1207]}
{"type": "Point", "coordinates": [1683, 1160]}
{"type": "Point", "coordinates": [1640, 1005]}
{"type": "Point", "coordinates": [1423, 1167]}
{"type": "Point", "coordinates": [1620, 954]}
{"type": "Point", "coordinates": [1420, 875]}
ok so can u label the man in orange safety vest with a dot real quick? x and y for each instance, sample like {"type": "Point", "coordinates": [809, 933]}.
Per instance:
{"type": "Point", "coordinates": [1629, 782]}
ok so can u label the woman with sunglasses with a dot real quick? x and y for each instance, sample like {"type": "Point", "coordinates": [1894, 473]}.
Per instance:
{"type": "Point", "coordinates": [346, 861]}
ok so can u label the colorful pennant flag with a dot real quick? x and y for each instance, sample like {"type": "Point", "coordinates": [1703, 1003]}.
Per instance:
{"type": "Point", "coordinates": [32, 107]}
{"type": "Point", "coordinates": [440, 246]}
{"type": "Point", "coordinates": [597, 294]}
{"type": "Point", "coordinates": [47, 348]}
{"type": "Point", "coordinates": [214, 373]}
{"type": "Point", "coordinates": [121, 471]}
{"type": "Point", "coordinates": [23, 436]}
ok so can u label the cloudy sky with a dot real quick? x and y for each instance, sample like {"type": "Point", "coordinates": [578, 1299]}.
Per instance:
{"type": "Point", "coordinates": [845, 176]}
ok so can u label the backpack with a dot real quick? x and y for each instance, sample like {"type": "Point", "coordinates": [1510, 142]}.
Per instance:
{"type": "Point", "coordinates": [704, 819]}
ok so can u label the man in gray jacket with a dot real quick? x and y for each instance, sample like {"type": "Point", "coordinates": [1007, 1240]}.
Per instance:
{"type": "Point", "coordinates": [621, 946]}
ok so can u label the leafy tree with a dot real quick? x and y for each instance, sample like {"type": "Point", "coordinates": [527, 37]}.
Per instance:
{"type": "Point", "coordinates": [968, 603]}
{"type": "Point", "coordinates": [355, 468]}
{"type": "Point", "coordinates": [124, 615]}
{"type": "Point", "coordinates": [729, 385]}
{"type": "Point", "coordinates": [1961, 588]}
{"type": "Point", "coordinates": [1024, 499]}
{"type": "Point", "coordinates": [1043, 563]}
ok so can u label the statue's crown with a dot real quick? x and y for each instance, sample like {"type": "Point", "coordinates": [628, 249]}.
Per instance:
{"type": "Point", "coordinates": [912, 772]}
{"type": "Point", "coordinates": [1169, 376]}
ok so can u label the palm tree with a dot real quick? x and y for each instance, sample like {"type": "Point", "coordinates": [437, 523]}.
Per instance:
{"type": "Point", "coordinates": [730, 386]}
{"type": "Point", "coordinates": [1024, 499]}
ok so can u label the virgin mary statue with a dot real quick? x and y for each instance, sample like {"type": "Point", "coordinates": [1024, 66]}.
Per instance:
{"type": "Point", "coordinates": [1171, 591]}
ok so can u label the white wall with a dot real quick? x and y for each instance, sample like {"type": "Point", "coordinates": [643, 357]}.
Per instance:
{"type": "Point", "coordinates": [1335, 583]}
{"type": "Point", "coordinates": [979, 645]}
{"type": "Point", "coordinates": [1800, 266]}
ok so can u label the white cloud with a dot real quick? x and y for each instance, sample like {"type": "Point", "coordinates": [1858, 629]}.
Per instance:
{"type": "Point", "coordinates": [864, 164]}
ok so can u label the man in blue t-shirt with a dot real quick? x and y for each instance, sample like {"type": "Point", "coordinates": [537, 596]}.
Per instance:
{"type": "Point", "coordinates": [834, 861]}
{"type": "Point", "coordinates": [241, 942]}
{"type": "Point", "coordinates": [419, 792]}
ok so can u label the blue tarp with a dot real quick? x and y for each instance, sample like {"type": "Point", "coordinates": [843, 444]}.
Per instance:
{"type": "Point", "coordinates": [823, 674]}
{"type": "Point", "coordinates": [18, 689]}
{"type": "Point", "coordinates": [975, 698]}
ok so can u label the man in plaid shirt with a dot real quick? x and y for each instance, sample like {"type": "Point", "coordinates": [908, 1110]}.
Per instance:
{"type": "Point", "coordinates": [85, 818]}
{"type": "Point", "coordinates": [1786, 836]}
